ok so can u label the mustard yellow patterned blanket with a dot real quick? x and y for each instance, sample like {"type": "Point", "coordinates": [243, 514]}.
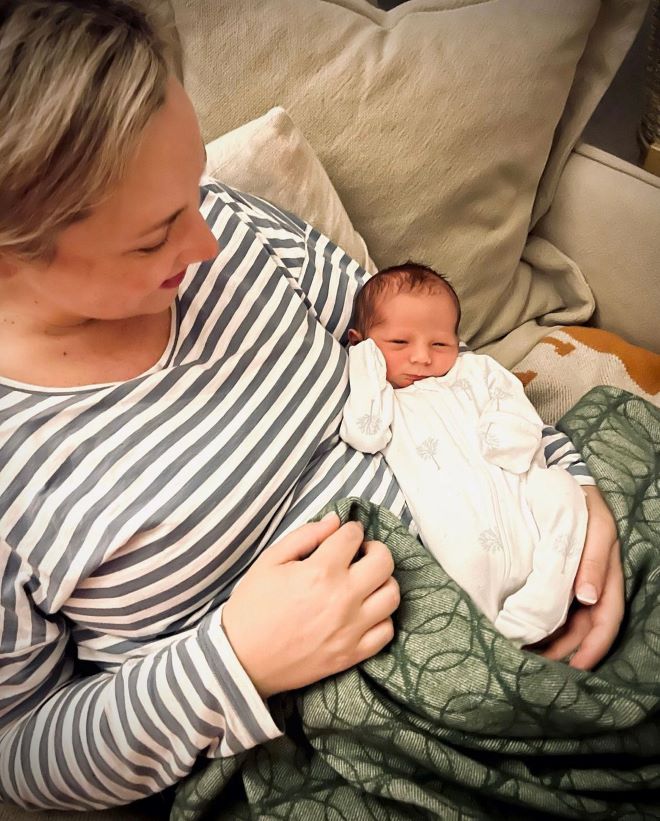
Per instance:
{"type": "Point", "coordinates": [570, 361]}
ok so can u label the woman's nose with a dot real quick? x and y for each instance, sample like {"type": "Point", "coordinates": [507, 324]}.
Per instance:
{"type": "Point", "coordinates": [201, 243]}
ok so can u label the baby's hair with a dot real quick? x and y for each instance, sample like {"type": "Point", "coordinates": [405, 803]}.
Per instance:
{"type": "Point", "coordinates": [409, 277]}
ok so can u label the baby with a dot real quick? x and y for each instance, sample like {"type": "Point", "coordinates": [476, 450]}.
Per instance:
{"type": "Point", "coordinates": [465, 445]}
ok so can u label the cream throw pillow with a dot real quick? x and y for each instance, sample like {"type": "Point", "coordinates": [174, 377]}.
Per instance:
{"type": "Point", "coordinates": [435, 121]}
{"type": "Point", "coordinates": [270, 158]}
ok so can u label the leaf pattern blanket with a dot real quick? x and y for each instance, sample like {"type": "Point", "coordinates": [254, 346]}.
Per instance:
{"type": "Point", "coordinates": [451, 721]}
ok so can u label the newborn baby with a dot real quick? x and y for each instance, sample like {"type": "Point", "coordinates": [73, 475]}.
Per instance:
{"type": "Point", "coordinates": [465, 445]}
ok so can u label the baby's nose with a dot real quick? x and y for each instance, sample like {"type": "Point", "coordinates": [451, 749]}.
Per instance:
{"type": "Point", "coordinates": [421, 354]}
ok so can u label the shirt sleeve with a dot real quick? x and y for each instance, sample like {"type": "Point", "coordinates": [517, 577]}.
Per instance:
{"type": "Point", "coordinates": [138, 729]}
{"type": "Point", "coordinates": [323, 275]}
{"type": "Point", "coordinates": [368, 410]}
{"type": "Point", "coordinates": [559, 450]}
{"type": "Point", "coordinates": [330, 280]}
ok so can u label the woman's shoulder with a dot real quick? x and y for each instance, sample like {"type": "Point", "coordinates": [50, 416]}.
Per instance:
{"type": "Point", "coordinates": [253, 210]}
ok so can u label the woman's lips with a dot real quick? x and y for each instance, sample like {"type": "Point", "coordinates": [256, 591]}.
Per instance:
{"type": "Point", "coordinates": [174, 282]}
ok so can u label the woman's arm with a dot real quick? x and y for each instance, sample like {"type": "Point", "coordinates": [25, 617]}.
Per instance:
{"type": "Point", "coordinates": [590, 629]}
{"type": "Point", "coordinates": [122, 734]}
{"type": "Point", "coordinates": [132, 732]}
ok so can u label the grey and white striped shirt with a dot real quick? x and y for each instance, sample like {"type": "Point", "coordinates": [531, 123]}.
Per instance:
{"type": "Point", "coordinates": [129, 510]}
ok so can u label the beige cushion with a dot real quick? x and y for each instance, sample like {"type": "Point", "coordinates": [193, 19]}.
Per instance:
{"type": "Point", "coordinates": [434, 121]}
{"type": "Point", "coordinates": [269, 157]}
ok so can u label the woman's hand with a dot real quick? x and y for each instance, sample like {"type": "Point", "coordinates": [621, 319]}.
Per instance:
{"type": "Point", "coordinates": [305, 609]}
{"type": "Point", "coordinates": [590, 630]}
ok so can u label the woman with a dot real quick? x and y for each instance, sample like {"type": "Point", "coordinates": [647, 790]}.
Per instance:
{"type": "Point", "coordinates": [171, 381]}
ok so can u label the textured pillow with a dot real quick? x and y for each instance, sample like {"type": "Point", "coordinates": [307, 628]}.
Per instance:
{"type": "Point", "coordinates": [436, 122]}
{"type": "Point", "coordinates": [270, 158]}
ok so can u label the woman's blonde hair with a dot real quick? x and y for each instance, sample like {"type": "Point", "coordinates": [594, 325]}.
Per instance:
{"type": "Point", "coordinates": [79, 79]}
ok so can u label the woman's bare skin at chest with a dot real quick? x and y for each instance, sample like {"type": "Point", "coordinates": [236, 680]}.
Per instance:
{"type": "Point", "coordinates": [91, 353]}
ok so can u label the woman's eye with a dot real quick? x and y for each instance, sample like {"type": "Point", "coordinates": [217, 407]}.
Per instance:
{"type": "Point", "coordinates": [398, 341]}
{"type": "Point", "coordinates": [438, 344]}
{"type": "Point", "coordinates": [153, 248]}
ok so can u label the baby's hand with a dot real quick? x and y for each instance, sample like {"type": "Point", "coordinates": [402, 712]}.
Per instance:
{"type": "Point", "coordinates": [366, 357]}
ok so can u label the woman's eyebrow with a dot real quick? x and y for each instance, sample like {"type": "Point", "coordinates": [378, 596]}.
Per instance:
{"type": "Point", "coordinates": [169, 220]}
{"type": "Point", "coordinates": [163, 223]}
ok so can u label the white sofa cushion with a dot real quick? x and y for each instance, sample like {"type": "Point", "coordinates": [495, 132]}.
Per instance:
{"type": "Point", "coordinates": [270, 158]}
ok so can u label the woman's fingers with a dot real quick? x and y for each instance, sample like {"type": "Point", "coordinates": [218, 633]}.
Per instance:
{"type": "Point", "coordinates": [301, 542]}
{"type": "Point", "coordinates": [340, 548]}
{"type": "Point", "coordinates": [606, 617]}
{"type": "Point", "coordinates": [592, 572]}
{"type": "Point", "coordinates": [381, 603]}
{"type": "Point", "coordinates": [374, 567]}
{"type": "Point", "coordinates": [374, 640]}
{"type": "Point", "coordinates": [601, 534]}
{"type": "Point", "coordinates": [569, 637]}
{"type": "Point", "coordinates": [589, 632]}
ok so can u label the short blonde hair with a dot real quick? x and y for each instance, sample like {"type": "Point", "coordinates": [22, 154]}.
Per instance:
{"type": "Point", "coordinates": [79, 79]}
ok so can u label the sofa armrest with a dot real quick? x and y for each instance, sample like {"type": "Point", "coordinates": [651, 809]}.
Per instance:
{"type": "Point", "coordinates": [606, 217]}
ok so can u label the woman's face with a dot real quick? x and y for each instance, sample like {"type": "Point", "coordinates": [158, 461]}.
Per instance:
{"type": "Point", "coordinates": [128, 257]}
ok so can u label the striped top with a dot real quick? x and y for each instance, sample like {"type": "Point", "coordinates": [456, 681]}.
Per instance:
{"type": "Point", "coordinates": [129, 510]}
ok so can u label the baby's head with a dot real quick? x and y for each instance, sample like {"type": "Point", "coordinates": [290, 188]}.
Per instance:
{"type": "Point", "coordinates": [412, 314]}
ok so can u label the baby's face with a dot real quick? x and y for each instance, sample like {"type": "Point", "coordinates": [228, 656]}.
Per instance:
{"type": "Point", "coordinates": [415, 334]}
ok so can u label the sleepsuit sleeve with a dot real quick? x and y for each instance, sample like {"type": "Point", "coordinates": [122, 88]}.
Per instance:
{"type": "Point", "coordinates": [539, 607]}
{"type": "Point", "coordinates": [510, 428]}
{"type": "Point", "coordinates": [369, 408]}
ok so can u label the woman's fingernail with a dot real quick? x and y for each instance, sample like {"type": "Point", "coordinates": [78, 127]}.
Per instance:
{"type": "Point", "coordinates": [587, 594]}
{"type": "Point", "coordinates": [330, 515]}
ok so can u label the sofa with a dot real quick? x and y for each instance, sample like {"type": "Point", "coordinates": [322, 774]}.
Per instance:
{"type": "Point", "coordinates": [443, 131]}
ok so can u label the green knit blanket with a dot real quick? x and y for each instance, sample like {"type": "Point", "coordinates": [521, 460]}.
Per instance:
{"type": "Point", "coordinates": [450, 720]}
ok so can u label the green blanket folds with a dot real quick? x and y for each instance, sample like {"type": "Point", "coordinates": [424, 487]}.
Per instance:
{"type": "Point", "coordinates": [451, 721]}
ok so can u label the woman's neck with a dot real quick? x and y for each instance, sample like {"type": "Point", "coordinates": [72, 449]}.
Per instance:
{"type": "Point", "coordinates": [89, 352]}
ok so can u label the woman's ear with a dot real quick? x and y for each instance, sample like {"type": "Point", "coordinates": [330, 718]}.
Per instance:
{"type": "Point", "coordinates": [354, 336]}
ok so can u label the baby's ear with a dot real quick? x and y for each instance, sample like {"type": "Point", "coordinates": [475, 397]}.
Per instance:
{"type": "Point", "coordinates": [354, 336]}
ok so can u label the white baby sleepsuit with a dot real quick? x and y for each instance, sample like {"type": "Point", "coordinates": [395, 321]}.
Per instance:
{"type": "Point", "coordinates": [466, 450]}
